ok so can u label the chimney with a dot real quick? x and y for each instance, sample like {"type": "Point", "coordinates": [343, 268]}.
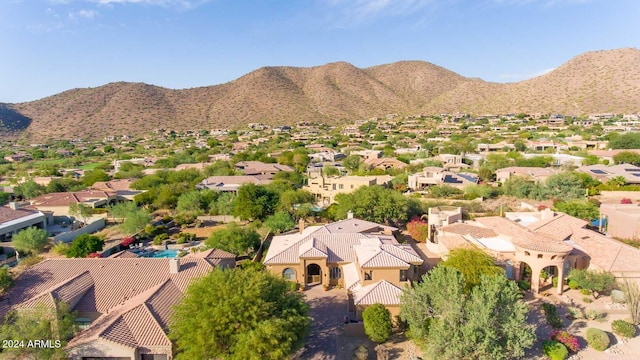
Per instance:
{"type": "Point", "coordinates": [547, 214]}
{"type": "Point", "coordinates": [350, 214]}
{"type": "Point", "coordinates": [14, 205]}
{"type": "Point", "coordinates": [174, 266]}
{"type": "Point", "coordinates": [301, 225]}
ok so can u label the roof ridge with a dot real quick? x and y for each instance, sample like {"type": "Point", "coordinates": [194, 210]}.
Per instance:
{"type": "Point", "coordinates": [57, 286]}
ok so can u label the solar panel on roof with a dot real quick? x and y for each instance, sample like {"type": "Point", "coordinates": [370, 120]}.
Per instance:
{"type": "Point", "coordinates": [632, 170]}
{"type": "Point", "coordinates": [599, 172]}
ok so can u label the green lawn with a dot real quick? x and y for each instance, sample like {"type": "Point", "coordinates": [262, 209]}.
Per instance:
{"type": "Point", "coordinates": [91, 166]}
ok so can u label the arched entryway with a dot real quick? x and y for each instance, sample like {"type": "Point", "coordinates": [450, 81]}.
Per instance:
{"type": "Point", "coordinates": [314, 274]}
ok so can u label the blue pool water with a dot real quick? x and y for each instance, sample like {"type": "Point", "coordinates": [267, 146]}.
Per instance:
{"type": "Point", "coordinates": [164, 254]}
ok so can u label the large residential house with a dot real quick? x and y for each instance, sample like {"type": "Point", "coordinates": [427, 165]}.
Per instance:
{"type": "Point", "coordinates": [534, 174]}
{"type": "Point", "coordinates": [325, 188]}
{"type": "Point", "coordinates": [232, 183]}
{"type": "Point", "coordinates": [58, 203]}
{"type": "Point", "coordinates": [432, 175]}
{"type": "Point", "coordinates": [603, 173]}
{"type": "Point", "coordinates": [260, 168]}
{"type": "Point", "coordinates": [121, 187]}
{"type": "Point", "coordinates": [384, 163]}
{"type": "Point", "coordinates": [361, 256]}
{"type": "Point", "coordinates": [545, 240]}
{"type": "Point", "coordinates": [123, 304]}
{"type": "Point", "coordinates": [14, 219]}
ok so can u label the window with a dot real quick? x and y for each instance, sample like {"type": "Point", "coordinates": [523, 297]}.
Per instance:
{"type": "Point", "coordinates": [539, 256]}
{"type": "Point", "coordinates": [335, 273]}
{"type": "Point", "coordinates": [289, 274]}
{"type": "Point", "coordinates": [341, 186]}
{"type": "Point", "coordinates": [368, 275]}
{"type": "Point", "coordinates": [403, 275]}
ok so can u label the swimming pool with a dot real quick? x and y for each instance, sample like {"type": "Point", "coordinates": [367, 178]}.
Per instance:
{"type": "Point", "coordinates": [163, 254]}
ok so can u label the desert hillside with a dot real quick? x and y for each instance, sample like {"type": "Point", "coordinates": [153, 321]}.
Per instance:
{"type": "Point", "coordinates": [594, 82]}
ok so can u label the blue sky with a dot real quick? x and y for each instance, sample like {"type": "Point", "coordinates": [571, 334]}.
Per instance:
{"type": "Point", "coordinates": [49, 46]}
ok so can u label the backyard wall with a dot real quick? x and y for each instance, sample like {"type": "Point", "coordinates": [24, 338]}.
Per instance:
{"type": "Point", "coordinates": [97, 225]}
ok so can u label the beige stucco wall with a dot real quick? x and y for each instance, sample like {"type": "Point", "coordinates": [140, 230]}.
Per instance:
{"type": "Point", "coordinates": [100, 348]}
{"type": "Point", "coordinates": [623, 220]}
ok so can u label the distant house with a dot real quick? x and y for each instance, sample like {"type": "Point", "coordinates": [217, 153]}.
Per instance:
{"type": "Point", "coordinates": [452, 162]}
{"type": "Point", "coordinates": [534, 174]}
{"type": "Point", "coordinates": [325, 188]}
{"type": "Point", "coordinates": [123, 304]}
{"type": "Point", "coordinates": [121, 187]}
{"type": "Point", "coordinates": [58, 203]}
{"type": "Point", "coordinates": [231, 183]}
{"type": "Point", "coordinates": [197, 166]}
{"type": "Point", "coordinates": [361, 256]}
{"type": "Point", "coordinates": [603, 173]}
{"type": "Point", "coordinates": [622, 220]}
{"type": "Point", "coordinates": [260, 168]}
{"type": "Point", "coordinates": [494, 147]}
{"type": "Point", "coordinates": [384, 163]}
{"type": "Point", "coordinates": [431, 175]}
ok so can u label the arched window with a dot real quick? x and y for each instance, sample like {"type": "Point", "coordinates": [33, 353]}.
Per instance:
{"type": "Point", "coordinates": [335, 273]}
{"type": "Point", "coordinates": [289, 274]}
{"type": "Point", "coordinates": [526, 253]}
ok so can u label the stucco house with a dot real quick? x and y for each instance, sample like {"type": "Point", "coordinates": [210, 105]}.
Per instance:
{"type": "Point", "coordinates": [360, 256]}
{"type": "Point", "coordinates": [534, 174]}
{"type": "Point", "coordinates": [432, 175]}
{"type": "Point", "coordinates": [325, 188]}
{"type": "Point", "coordinates": [123, 305]}
{"type": "Point", "coordinates": [14, 219]}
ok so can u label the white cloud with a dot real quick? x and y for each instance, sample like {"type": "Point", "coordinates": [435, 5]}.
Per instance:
{"type": "Point", "coordinates": [517, 77]}
{"type": "Point", "coordinates": [83, 14]}
{"type": "Point", "coordinates": [350, 11]}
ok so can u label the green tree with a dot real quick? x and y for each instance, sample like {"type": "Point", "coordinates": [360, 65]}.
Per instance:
{"type": "Point", "coordinates": [583, 209]}
{"type": "Point", "coordinates": [262, 318]}
{"type": "Point", "coordinates": [377, 323]}
{"type": "Point", "coordinates": [372, 203]}
{"type": "Point", "coordinates": [254, 202]}
{"type": "Point", "coordinates": [189, 207]}
{"type": "Point", "coordinates": [564, 186]}
{"type": "Point", "coordinates": [133, 218]}
{"type": "Point", "coordinates": [28, 189]}
{"type": "Point", "coordinates": [473, 264]}
{"type": "Point", "coordinates": [4, 197]}
{"type": "Point", "coordinates": [488, 323]}
{"type": "Point", "coordinates": [627, 157]}
{"type": "Point", "coordinates": [352, 162]}
{"type": "Point", "coordinates": [56, 324]}
{"type": "Point", "coordinates": [290, 199]}
{"type": "Point", "coordinates": [84, 245]}
{"type": "Point", "coordinates": [279, 222]}
{"type": "Point", "coordinates": [32, 240]}
{"type": "Point", "coordinates": [6, 280]}
{"type": "Point", "coordinates": [80, 210]}
{"type": "Point", "coordinates": [597, 282]}
{"type": "Point", "coordinates": [444, 191]}
{"type": "Point", "coordinates": [223, 205]}
{"type": "Point", "coordinates": [92, 176]}
{"type": "Point", "coordinates": [629, 140]}
{"type": "Point", "coordinates": [236, 239]}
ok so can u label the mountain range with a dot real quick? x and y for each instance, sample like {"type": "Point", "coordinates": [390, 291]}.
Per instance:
{"type": "Point", "coordinates": [594, 82]}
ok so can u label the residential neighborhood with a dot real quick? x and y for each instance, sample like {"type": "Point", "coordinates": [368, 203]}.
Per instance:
{"type": "Point", "coordinates": [343, 221]}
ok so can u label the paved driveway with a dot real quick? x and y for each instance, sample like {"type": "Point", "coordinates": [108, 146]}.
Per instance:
{"type": "Point", "coordinates": [328, 309]}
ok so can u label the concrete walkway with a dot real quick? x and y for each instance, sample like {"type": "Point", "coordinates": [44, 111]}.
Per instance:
{"type": "Point", "coordinates": [328, 309]}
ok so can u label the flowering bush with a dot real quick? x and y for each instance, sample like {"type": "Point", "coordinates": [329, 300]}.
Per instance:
{"type": "Point", "coordinates": [127, 241]}
{"type": "Point", "coordinates": [568, 340]}
{"type": "Point", "coordinates": [94, 255]}
{"type": "Point", "coordinates": [626, 201]}
{"type": "Point", "coordinates": [418, 229]}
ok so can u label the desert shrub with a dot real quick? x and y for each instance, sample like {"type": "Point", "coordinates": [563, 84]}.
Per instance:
{"type": "Point", "coordinates": [60, 248]}
{"type": "Point", "coordinates": [572, 284]}
{"type": "Point", "coordinates": [623, 328]}
{"type": "Point", "coordinates": [554, 281]}
{"type": "Point", "coordinates": [585, 292]}
{"type": "Point", "coordinates": [587, 299]}
{"type": "Point", "coordinates": [524, 285]}
{"type": "Point", "coordinates": [377, 323]}
{"type": "Point", "coordinates": [597, 339]}
{"type": "Point", "coordinates": [554, 350]}
{"type": "Point", "coordinates": [568, 340]}
{"type": "Point", "coordinates": [160, 238]}
{"type": "Point", "coordinates": [592, 314]}
{"type": "Point", "coordinates": [575, 312]}
{"type": "Point", "coordinates": [551, 314]}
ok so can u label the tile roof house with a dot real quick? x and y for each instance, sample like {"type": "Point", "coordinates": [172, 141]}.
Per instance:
{"type": "Point", "coordinates": [532, 173]}
{"type": "Point", "coordinates": [384, 163]}
{"type": "Point", "coordinates": [260, 168]}
{"type": "Point", "coordinates": [603, 173]}
{"type": "Point", "coordinates": [13, 219]}
{"type": "Point", "coordinates": [361, 256]}
{"type": "Point", "coordinates": [547, 240]}
{"type": "Point", "coordinates": [325, 188]}
{"type": "Point", "coordinates": [123, 304]}
{"type": "Point", "coordinates": [121, 187]}
{"type": "Point", "coordinates": [231, 183]}
{"type": "Point", "coordinates": [432, 175]}
{"type": "Point", "coordinates": [58, 203]}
